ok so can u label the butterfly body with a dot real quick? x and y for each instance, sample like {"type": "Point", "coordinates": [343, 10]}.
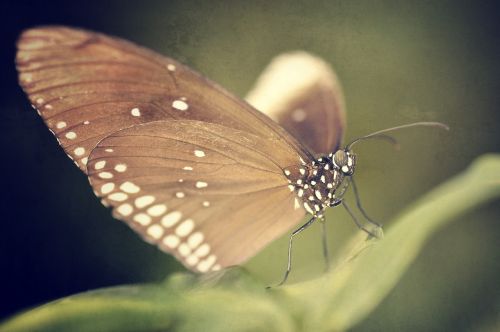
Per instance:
{"type": "Point", "coordinates": [322, 183]}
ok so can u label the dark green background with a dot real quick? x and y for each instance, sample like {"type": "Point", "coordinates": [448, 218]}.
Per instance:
{"type": "Point", "coordinates": [398, 62]}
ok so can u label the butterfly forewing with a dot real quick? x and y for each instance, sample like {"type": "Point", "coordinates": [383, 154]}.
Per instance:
{"type": "Point", "coordinates": [301, 92]}
{"type": "Point", "coordinates": [211, 195]}
{"type": "Point", "coordinates": [87, 86]}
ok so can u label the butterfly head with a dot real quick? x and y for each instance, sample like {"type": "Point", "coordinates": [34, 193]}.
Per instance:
{"type": "Point", "coordinates": [345, 161]}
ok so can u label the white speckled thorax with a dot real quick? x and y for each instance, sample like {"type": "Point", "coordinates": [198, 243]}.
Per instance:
{"type": "Point", "coordinates": [319, 184]}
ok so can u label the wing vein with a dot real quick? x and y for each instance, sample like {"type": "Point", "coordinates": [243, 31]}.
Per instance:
{"type": "Point", "coordinates": [68, 84]}
{"type": "Point", "coordinates": [197, 145]}
{"type": "Point", "coordinates": [80, 63]}
{"type": "Point", "coordinates": [105, 102]}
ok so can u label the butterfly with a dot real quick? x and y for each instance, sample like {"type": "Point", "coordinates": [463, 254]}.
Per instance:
{"type": "Point", "coordinates": [191, 168]}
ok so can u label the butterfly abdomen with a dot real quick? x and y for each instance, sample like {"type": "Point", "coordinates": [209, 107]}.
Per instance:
{"type": "Point", "coordinates": [315, 184]}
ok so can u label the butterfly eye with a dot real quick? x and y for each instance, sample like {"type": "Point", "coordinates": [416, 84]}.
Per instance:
{"type": "Point", "coordinates": [340, 158]}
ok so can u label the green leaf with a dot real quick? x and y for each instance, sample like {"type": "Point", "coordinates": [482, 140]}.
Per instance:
{"type": "Point", "coordinates": [126, 308]}
{"type": "Point", "coordinates": [183, 303]}
{"type": "Point", "coordinates": [235, 301]}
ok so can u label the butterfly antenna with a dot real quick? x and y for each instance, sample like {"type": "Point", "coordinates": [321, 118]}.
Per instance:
{"type": "Point", "coordinates": [381, 133]}
{"type": "Point", "coordinates": [387, 138]}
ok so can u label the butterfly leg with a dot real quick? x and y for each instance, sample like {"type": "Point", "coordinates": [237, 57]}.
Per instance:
{"type": "Point", "coordinates": [356, 221]}
{"type": "Point", "coordinates": [326, 254]}
{"type": "Point", "coordinates": [358, 203]}
{"type": "Point", "coordinates": [295, 232]}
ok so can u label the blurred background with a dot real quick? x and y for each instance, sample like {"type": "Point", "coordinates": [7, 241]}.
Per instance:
{"type": "Point", "coordinates": [398, 62]}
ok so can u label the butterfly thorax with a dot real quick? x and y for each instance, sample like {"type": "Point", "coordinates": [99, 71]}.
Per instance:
{"type": "Point", "coordinates": [321, 183]}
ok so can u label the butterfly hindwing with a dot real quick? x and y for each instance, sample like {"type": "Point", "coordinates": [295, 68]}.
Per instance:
{"type": "Point", "coordinates": [302, 93]}
{"type": "Point", "coordinates": [211, 195]}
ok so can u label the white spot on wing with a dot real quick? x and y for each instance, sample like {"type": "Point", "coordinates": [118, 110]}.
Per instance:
{"type": "Point", "coordinates": [135, 112]}
{"type": "Point", "coordinates": [203, 250]}
{"type": "Point", "coordinates": [171, 67]}
{"type": "Point", "coordinates": [296, 204]}
{"type": "Point", "coordinates": [100, 164]}
{"type": "Point", "coordinates": [105, 175]}
{"type": "Point", "coordinates": [318, 194]}
{"type": "Point", "coordinates": [308, 208]}
{"type": "Point", "coordinates": [143, 201]}
{"type": "Point", "coordinates": [157, 210]}
{"type": "Point", "coordinates": [129, 187]}
{"type": "Point", "coordinates": [199, 153]}
{"type": "Point", "coordinates": [121, 168]}
{"type": "Point", "coordinates": [107, 188]}
{"type": "Point", "coordinates": [180, 194]}
{"type": "Point", "coordinates": [187, 168]}
{"type": "Point", "coordinates": [118, 197]}
{"type": "Point", "coordinates": [61, 125]}
{"type": "Point", "coordinates": [180, 105]}
{"type": "Point", "coordinates": [79, 151]}
{"type": "Point", "coordinates": [192, 260]}
{"type": "Point", "coordinates": [125, 209]}
{"type": "Point", "coordinates": [171, 241]}
{"type": "Point", "coordinates": [185, 227]}
{"type": "Point", "coordinates": [26, 77]}
{"type": "Point", "coordinates": [206, 203]}
{"type": "Point", "coordinates": [155, 231]}
{"type": "Point", "coordinates": [195, 239]}
{"type": "Point", "coordinates": [204, 265]}
{"type": "Point", "coordinates": [70, 135]}
{"type": "Point", "coordinates": [184, 250]}
{"type": "Point", "coordinates": [142, 219]}
{"type": "Point", "coordinates": [201, 184]}
{"type": "Point", "coordinates": [171, 219]}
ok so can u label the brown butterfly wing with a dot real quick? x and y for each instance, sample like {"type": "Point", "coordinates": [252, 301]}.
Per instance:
{"type": "Point", "coordinates": [301, 92]}
{"type": "Point", "coordinates": [87, 85]}
{"type": "Point", "coordinates": [212, 196]}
